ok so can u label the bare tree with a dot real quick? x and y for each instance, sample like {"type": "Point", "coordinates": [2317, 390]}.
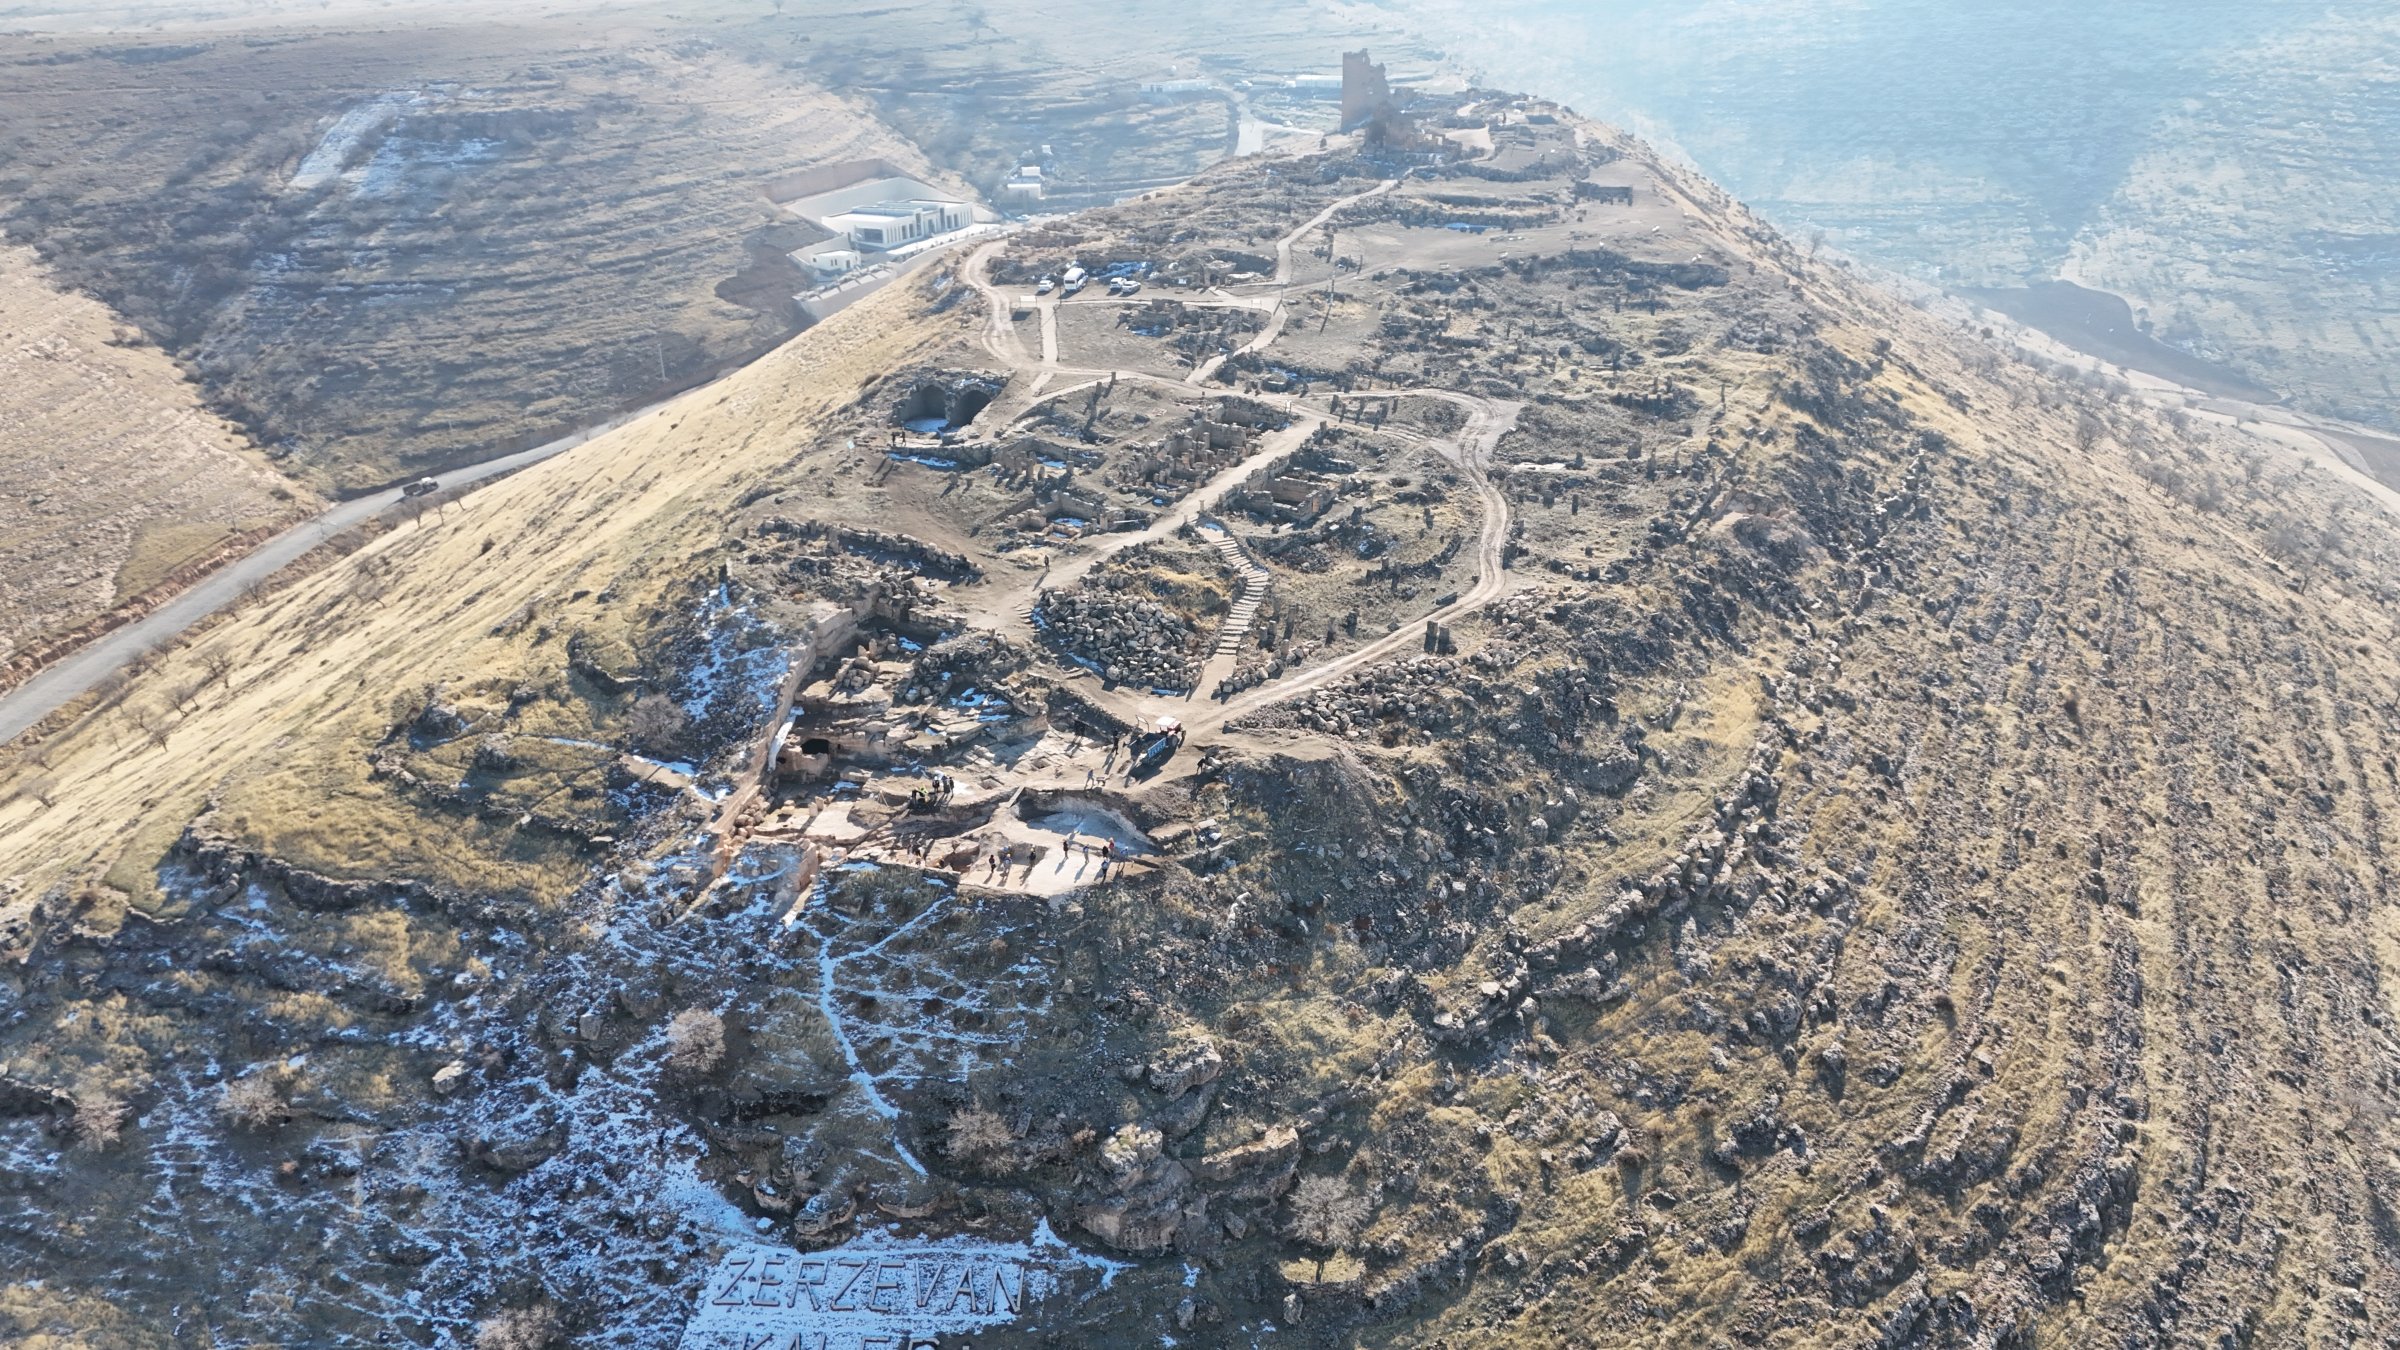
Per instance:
{"type": "Point", "coordinates": [695, 1041]}
{"type": "Point", "coordinates": [1327, 1213]}
{"type": "Point", "coordinates": [150, 720]}
{"type": "Point", "coordinates": [533, 1328]}
{"type": "Point", "coordinates": [99, 1116]}
{"type": "Point", "coordinates": [657, 725]}
{"type": "Point", "coordinates": [2293, 542]}
{"type": "Point", "coordinates": [370, 584]}
{"type": "Point", "coordinates": [2089, 430]}
{"type": "Point", "coordinates": [979, 1137]}
{"type": "Point", "coordinates": [253, 1102]}
{"type": "Point", "coordinates": [217, 664]}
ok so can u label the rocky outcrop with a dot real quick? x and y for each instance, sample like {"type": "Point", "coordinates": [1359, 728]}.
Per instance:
{"type": "Point", "coordinates": [1259, 1170]}
{"type": "Point", "coordinates": [221, 865]}
{"type": "Point", "coordinates": [1143, 1197]}
{"type": "Point", "coordinates": [1186, 1067]}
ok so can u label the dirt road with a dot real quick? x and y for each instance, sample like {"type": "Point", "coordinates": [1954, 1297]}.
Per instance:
{"type": "Point", "coordinates": [71, 676]}
{"type": "Point", "coordinates": [1473, 450]}
{"type": "Point", "coordinates": [1283, 280]}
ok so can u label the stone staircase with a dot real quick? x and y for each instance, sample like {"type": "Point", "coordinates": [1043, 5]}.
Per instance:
{"type": "Point", "coordinates": [1255, 580]}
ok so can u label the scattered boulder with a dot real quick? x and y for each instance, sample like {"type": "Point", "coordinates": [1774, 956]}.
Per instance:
{"type": "Point", "coordinates": [1186, 1067]}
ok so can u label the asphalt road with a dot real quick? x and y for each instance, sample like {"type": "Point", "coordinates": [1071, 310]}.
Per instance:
{"type": "Point", "coordinates": [65, 680]}
{"type": "Point", "coordinates": [68, 678]}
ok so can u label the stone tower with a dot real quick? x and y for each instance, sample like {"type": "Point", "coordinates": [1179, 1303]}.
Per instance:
{"type": "Point", "coordinates": [1366, 94]}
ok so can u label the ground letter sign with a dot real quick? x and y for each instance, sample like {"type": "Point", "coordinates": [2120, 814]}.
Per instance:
{"type": "Point", "coordinates": [881, 1292]}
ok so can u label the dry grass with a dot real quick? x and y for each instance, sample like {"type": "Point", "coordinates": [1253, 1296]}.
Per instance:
{"type": "Point", "coordinates": [112, 473]}
{"type": "Point", "coordinates": [282, 745]}
{"type": "Point", "coordinates": [533, 1328]}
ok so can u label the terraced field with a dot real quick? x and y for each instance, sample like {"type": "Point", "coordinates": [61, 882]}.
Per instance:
{"type": "Point", "coordinates": [384, 252]}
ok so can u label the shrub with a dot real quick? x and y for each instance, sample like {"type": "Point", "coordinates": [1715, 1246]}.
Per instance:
{"type": "Point", "coordinates": [1328, 1212]}
{"type": "Point", "coordinates": [657, 725]}
{"type": "Point", "coordinates": [979, 1137]}
{"type": "Point", "coordinates": [99, 1117]}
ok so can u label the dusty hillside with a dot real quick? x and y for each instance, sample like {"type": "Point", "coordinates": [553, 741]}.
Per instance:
{"type": "Point", "coordinates": [1739, 811]}
{"type": "Point", "coordinates": [311, 220]}
{"type": "Point", "coordinates": [309, 217]}
{"type": "Point", "coordinates": [115, 482]}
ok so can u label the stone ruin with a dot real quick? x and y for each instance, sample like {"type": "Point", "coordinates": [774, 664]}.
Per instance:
{"type": "Point", "coordinates": [1190, 454]}
{"type": "Point", "coordinates": [1124, 639]}
{"type": "Point", "coordinates": [953, 398]}
{"type": "Point", "coordinates": [876, 546]}
{"type": "Point", "coordinates": [1370, 108]}
{"type": "Point", "coordinates": [1298, 489]}
{"type": "Point", "coordinates": [885, 703]}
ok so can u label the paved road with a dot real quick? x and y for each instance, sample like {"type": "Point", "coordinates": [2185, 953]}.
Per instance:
{"type": "Point", "coordinates": [66, 679]}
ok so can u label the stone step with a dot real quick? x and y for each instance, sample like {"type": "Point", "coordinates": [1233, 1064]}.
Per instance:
{"type": "Point", "coordinates": [1255, 582]}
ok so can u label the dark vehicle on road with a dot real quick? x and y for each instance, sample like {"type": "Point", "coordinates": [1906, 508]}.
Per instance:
{"type": "Point", "coordinates": [421, 487]}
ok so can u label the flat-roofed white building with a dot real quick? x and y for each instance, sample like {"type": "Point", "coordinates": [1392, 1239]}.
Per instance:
{"type": "Point", "coordinates": [1023, 187]}
{"type": "Point", "coordinates": [831, 262]}
{"type": "Point", "coordinates": [1166, 90]}
{"type": "Point", "coordinates": [884, 226]}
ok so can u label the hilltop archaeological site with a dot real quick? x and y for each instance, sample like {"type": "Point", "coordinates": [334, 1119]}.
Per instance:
{"type": "Point", "coordinates": [1432, 737]}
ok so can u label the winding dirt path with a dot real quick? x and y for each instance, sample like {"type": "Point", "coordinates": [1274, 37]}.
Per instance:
{"type": "Point", "coordinates": [1283, 281]}
{"type": "Point", "coordinates": [1473, 450]}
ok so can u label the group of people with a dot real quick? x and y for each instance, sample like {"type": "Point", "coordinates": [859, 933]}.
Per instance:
{"type": "Point", "coordinates": [939, 794]}
{"type": "Point", "coordinates": [1106, 848]}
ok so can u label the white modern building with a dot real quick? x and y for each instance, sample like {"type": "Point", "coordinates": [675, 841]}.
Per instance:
{"type": "Point", "coordinates": [832, 262]}
{"type": "Point", "coordinates": [883, 226]}
{"type": "Point", "coordinates": [1168, 90]}
{"type": "Point", "coordinates": [1024, 187]}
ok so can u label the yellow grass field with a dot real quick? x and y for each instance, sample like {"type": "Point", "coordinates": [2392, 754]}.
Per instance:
{"type": "Point", "coordinates": [282, 746]}
{"type": "Point", "coordinates": [113, 476]}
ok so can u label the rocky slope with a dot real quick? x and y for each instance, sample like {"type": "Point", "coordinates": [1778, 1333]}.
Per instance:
{"type": "Point", "coordinates": [1898, 855]}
